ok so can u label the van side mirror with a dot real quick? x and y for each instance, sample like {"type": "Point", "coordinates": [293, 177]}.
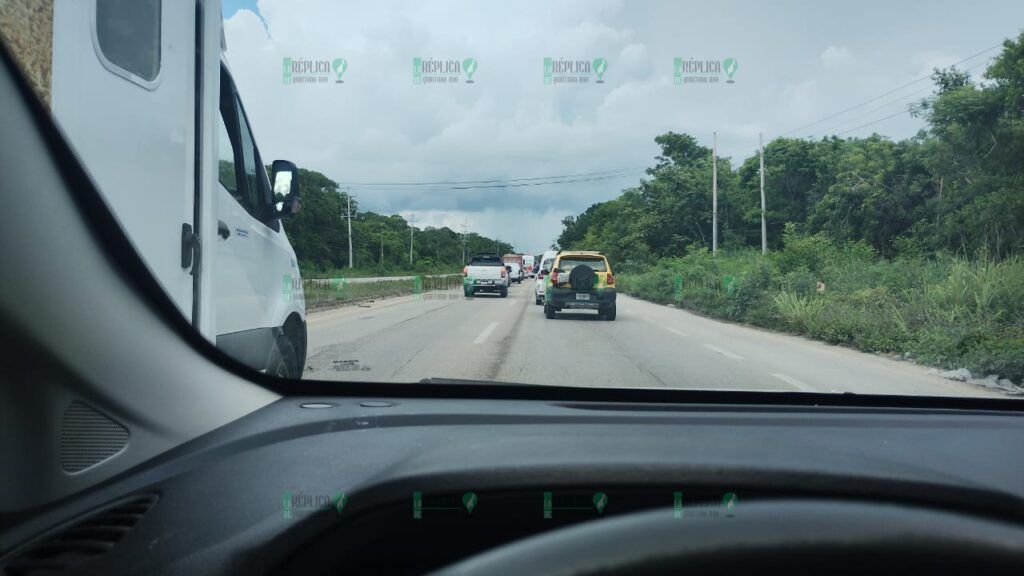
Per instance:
{"type": "Point", "coordinates": [285, 178]}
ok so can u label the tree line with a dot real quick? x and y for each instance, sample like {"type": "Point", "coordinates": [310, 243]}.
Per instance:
{"type": "Point", "coordinates": [380, 242]}
{"type": "Point", "coordinates": [957, 186]}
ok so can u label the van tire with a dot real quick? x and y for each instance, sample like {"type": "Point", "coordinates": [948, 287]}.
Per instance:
{"type": "Point", "coordinates": [284, 361]}
{"type": "Point", "coordinates": [549, 312]}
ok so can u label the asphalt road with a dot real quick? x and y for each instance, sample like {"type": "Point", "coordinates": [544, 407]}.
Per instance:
{"type": "Point", "coordinates": [445, 335]}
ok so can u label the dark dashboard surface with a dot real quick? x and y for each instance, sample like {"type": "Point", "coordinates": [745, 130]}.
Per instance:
{"type": "Point", "coordinates": [405, 485]}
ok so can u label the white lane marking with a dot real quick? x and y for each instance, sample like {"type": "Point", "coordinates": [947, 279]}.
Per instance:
{"type": "Point", "coordinates": [487, 332]}
{"type": "Point", "coordinates": [803, 386]}
{"type": "Point", "coordinates": [512, 302]}
{"type": "Point", "coordinates": [674, 331]}
{"type": "Point", "coordinates": [725, 353]}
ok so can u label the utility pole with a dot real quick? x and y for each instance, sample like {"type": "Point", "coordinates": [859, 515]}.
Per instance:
{"type": "Point", "coordinates": [348, 214]}
{"type": "Point", "coordinates": [411, 230]}
{"type": "Point", "coordinates": [465, 222]}
{"type": "Point", "coordinates": [714, 192]}
{"type": "Point", "coordinates": [382, 242]}
{"type": "Point", "coordinates": [764, 224]}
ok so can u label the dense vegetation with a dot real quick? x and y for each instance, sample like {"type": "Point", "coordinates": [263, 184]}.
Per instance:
{"type": "Point", "coordinates": [918, 242]}
{"type": "Point", "coordinates": [380, 242]}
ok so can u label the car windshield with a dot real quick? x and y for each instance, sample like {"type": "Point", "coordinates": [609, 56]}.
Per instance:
{"type": "Point", "coordinates": [793, 196]}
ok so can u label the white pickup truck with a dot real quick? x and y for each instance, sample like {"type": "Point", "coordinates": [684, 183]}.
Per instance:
{"type": "Point", "coordinates": [485, 273]}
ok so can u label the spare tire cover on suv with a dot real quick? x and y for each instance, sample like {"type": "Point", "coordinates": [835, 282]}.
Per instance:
{"type": "Point", "coordinates": [582, 278]}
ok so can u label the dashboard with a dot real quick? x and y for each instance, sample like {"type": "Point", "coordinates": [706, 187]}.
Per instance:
{"type": "Point", "coordinates": [393, 485]}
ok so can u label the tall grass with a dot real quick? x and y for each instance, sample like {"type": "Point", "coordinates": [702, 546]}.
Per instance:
{"type": "Point", "coordinates": [947, 311]}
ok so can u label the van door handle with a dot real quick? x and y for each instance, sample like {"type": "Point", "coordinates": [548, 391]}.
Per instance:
{"type": "Point", "coordinates": [222, 229]}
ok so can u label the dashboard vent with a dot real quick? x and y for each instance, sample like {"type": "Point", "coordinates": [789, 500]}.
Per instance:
{"type": "Point", "coordinates": [88, 437]}
{"type": "Point", "coordinates": [81, 542]}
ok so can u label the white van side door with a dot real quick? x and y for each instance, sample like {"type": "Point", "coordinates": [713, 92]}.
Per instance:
{"type": "Point", "coordinates": [123, 91]}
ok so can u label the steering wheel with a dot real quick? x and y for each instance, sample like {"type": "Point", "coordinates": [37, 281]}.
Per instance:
{"type": "Point", "coordinates": [798, 536]}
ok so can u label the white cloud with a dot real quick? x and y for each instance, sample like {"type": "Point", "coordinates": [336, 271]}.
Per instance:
{"type": "Point", "coordinates": [837, 57]}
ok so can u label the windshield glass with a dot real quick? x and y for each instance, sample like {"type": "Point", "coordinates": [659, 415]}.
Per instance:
{"type": "Point", "coordinates": [794, 196]}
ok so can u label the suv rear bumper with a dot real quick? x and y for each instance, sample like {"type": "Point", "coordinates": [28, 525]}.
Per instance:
{"type": "Point", "coordinates": [497, 286]}
{"type": "Point", "coordinates": [566, 298]}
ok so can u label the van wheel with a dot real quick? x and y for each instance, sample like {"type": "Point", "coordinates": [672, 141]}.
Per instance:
{"type": "Point", "coordinates": [283, 361]}
{"type": "Point", "coordinates": [609, 314]}
{"type": "Point", "coordinates": [549, 312]}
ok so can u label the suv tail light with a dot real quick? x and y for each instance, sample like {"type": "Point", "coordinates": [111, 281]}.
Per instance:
{"type": "Point", "coordinates": [554, 277]}
{"type": "Point", "coordinates": [610, 280]}
{"type": "Point", "coordinates": [504, 273]}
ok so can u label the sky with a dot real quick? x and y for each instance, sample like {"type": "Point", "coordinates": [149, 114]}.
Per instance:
{"type": "Point", "coordinates": [797, 63]}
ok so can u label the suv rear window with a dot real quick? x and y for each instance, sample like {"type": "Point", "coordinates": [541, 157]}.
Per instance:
{"type": "Point", "coordinates": [567, 264]}
{"type": "Point", "coordinates": [486, 261]}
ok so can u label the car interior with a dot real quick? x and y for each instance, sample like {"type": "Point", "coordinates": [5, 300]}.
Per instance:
{"type": "Point", "coordinates": [131, 445]}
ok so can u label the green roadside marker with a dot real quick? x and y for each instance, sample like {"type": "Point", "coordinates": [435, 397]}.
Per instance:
{"type": "Point", "coordinates": [469, 500]}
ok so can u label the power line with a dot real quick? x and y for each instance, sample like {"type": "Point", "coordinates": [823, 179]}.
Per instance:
{"type": "Point", "coordinates": [900, 113]}
{"type": "Point", "coordinates": [883, 95]}
{"type": "Point", "coordinates": [899, 100]}
{"type": "Point", "coordinates": [500, 181]}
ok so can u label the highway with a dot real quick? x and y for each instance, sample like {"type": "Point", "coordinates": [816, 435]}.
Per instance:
{"type": "Point", "coordinates": [445, 335]}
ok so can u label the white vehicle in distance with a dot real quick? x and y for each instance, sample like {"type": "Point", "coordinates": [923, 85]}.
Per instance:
{"type": "Point", "coordinates": [485, 273]}
{"type": "Point", "coordinates": [161, 128]}
{"type": "Point", "coordinates": [515, 271]}
{"type": "Point", "coordinates": [543, 269]}
{"type": "Point", "coordinates": [528, 265]}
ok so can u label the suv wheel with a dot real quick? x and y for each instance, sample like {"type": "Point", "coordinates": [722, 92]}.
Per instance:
{"type": "Point", "coordinates": [609, 314]}
{"type": "Point", "coordinates": [549, 312]}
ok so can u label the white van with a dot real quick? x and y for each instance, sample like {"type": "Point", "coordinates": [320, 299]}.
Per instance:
{"type": "Point", "coordinates": [142, 90]}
